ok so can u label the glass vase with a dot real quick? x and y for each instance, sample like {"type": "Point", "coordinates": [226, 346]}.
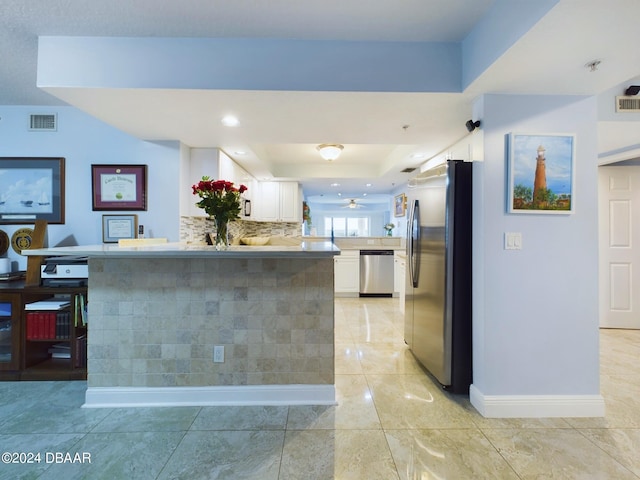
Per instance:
{"type": "Point", "coordinates": [221, 241]}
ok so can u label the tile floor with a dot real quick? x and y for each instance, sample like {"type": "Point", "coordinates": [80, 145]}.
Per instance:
{"type": "Point", "coordinates": [391, 422]}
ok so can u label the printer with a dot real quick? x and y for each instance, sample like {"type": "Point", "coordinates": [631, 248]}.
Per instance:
{"type": "Point", "coordinates": [64, 272]}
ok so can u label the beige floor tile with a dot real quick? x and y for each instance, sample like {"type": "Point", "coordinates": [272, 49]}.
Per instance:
{"type": "Point", "coordinates": [355, 409]}
{"type": "Point", "coordinates": [347, 360]}
{"type": "Point", "coordinates": [624, 445]}
{"type": "Point", "coordinates": [450, 454]}
{"type": "Point", "coordinates": [415, 401]}
{"type": "Point", "coordinates": [555, 454]}
{"type": "Point", "coordinates": [387, 358]}
{"type": "Point", "coordinates": [336, 454]}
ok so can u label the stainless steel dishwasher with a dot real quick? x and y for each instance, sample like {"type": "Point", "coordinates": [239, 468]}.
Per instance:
{"type": "Point", "coordinates": [376, 273]}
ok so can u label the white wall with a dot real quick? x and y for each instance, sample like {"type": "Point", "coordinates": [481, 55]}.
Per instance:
{"type": "Point", "coordinates": [82, 140]}
{"type": "Point", "coordinates": [536, 309]}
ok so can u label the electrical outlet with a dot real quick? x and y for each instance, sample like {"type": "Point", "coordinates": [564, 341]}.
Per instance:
{"type": "Point", "coordinates": [218, 353]}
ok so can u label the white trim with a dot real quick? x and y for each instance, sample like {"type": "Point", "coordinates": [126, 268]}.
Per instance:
{"type": "Point", "coordinates": [536, 406]}
{"type": "Point", "coordinates": [112, 397]}
{"type": "Point", "coordinates": [618, 156]}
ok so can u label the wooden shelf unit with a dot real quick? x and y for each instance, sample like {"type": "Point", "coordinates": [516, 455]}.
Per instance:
{"type": "Point", "coordinates": [30, 358]}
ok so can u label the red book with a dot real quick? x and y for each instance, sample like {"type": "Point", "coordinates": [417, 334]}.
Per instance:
{"type": "Point", "coordinates": [52, 325]}
{"type": "Point", "coordinates": [40, 333]}
{"type": "Point", "coordinates": [36, 325]}
{"type": "Point", "coordinates": [29, 326]}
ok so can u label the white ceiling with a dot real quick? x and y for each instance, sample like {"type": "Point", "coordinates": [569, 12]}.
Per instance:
{"type": "Point", "coordinates": [280, 130]}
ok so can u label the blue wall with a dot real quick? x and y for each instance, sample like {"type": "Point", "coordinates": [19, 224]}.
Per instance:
{"type": "Point", "coordinates": [536, 309]}
{"type": "Point", "coordinates": [82, 140]}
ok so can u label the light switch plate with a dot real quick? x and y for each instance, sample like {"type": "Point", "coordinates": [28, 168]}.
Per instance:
{"type": "Point", "coordinates": [513, 241]}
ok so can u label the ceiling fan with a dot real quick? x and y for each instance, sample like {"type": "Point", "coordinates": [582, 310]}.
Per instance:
{"type": "Point", "coordinates": [353, 204]}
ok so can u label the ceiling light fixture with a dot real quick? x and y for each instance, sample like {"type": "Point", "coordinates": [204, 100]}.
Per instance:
{"type": "Point", "coordinates": [330, 151]}
{"type": "Point", "coordinates": [230, 121]}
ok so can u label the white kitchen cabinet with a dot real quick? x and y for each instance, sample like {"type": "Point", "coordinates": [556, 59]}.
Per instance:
{"type": "Point", "coordinates": [278, 202]}
{"type": "Point", "coordinates": [232, 172]}
{"type": "Point", "coordinates": [347, 273]}
{"type": "Point", "coordinates": [399, 278]}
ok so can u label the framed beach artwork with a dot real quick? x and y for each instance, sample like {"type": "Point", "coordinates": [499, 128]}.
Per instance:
{"type": "Point", "coordinates": [31, 189]}
{"type": "Point", "coordinates": [541, 173]}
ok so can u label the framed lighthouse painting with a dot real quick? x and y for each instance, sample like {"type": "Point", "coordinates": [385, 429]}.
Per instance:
{"type": "Point", "coordinates": [541, 173]}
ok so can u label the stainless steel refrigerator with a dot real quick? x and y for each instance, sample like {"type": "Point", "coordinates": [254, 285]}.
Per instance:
{"type": "Point", "coordinates": [438, 293]}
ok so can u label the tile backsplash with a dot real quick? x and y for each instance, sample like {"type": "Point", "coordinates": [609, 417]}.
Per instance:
{"type": "Point", "coordinates": [195, 229]}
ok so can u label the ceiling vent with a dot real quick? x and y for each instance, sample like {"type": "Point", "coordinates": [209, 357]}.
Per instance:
{"type": "Point", "coordinates": [628, 104]}
{"type": "Point", "coordinates": [43, 122]}
{"type": "Point", "coordinates": [408, 169]}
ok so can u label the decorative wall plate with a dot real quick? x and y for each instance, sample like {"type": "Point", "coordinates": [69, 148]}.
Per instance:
{"type": "Point", "coordinates": [4, 242]}
{"type": "Point", "coordinates": [21, 239]}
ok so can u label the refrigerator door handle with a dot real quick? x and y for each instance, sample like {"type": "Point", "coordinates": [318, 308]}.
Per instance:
{"type": "Point", "coordinates": [414, 243]}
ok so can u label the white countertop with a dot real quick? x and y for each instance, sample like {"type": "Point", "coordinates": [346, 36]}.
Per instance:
{"type": "Point", "coordinates": [173, 250]}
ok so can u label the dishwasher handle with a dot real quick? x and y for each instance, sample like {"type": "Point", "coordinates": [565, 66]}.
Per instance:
{"type": "Point", "coordinates": [376, 252]}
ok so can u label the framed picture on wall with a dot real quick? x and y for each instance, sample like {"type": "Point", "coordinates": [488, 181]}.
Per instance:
{"type": "Point", "coordinates": [117, 227]}
{"type": "Point", "coordinates": [119, 187]}
{"type": "Point", "coordinates": [31, 189]}
{"type": "Point", "coordinates": [541, 173]}
{"type": "Point", "coordinates": [400, 205]}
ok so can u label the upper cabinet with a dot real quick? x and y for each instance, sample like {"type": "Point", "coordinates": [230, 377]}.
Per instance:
{"type": "Point", "coordinates": [277, 202]}
{"type": "Point", "coordinates": [217, 165]}
{"type": "Point", "coordinates": [232, 172]}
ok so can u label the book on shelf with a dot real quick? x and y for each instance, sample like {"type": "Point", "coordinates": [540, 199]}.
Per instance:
{"type": "Point", "coordinates": [47, 325]}
{"type": "Point", "coordinates": [12, 275]}
{"type": "Point", "coordinates": [81, 352]}
{"type": "Point", "coordinates": [60, 350]}
{"type": "Point", "coordinates": [49, 304]}
{"type": "Point", "coordinates": [80, 313]}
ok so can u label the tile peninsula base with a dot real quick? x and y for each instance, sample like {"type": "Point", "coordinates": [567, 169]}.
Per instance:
{"type": "Point", "coordinates": [242, 395]}
{"type": "Point", "coordinates": [156, 322]}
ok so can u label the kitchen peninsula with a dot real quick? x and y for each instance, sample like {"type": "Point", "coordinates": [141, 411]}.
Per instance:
{"type": "Point", "coordinates": [157, 312]}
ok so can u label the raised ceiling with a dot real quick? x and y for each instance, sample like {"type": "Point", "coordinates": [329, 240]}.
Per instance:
{"type": "Point", "coordinates": [280, 129]}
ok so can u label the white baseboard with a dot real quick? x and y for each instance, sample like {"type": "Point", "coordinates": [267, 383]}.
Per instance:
{"type": "Point", "coordinates": [536, 406]}
{"type": "Point", "coordinates": [346, 294]}
{"type": "Point", "coordinates": [114, 397]}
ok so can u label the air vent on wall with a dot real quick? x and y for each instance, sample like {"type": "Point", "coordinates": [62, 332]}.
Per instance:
{"type": "Point", "coordinates": [408, 169]}
{"type": "Point", "coordinates": [628, 104]}
{"type": "Point", "coordinates": [46, 122]}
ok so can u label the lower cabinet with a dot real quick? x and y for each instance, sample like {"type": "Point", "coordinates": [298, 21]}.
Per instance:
{"type": "Point", "coordinates": [399, 278]}
{"type": "Point", "coordinates": [43, 333]}
{"type": "Point", "coordinates": [10, 311]}
{"type": "Point", "coordinates": [347, 273]}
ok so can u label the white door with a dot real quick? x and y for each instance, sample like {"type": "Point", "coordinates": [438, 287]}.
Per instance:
{"type": "Point", "coordinates": [619, 226]}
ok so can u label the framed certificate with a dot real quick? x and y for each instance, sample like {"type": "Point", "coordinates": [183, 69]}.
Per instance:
{"type": "Point", "coordinates": [116, 227]}
{"type": "Point", "coordinates": [119, 187]}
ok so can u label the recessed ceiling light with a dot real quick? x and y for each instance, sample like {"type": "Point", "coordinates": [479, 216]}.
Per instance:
{"type": "Point", "coordinates": [230, 121]}
{"type": "Point", "coordinates": [367, 184]}
{"type": "Point", "coordinates": [240, 152]}
{"type": "Point", "coordinates": [335, 184]}
{"type": "Point", "coordinates": [339, 194]}
{"type": "Point", "coordinates": [418, 155]}
{"type": "Point", "coordinates": [364, 194]}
